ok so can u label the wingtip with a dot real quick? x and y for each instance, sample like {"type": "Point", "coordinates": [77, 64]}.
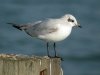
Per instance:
{"type": "Point", "coordinates": [11, 23]}
{"type": "Point", "coordinates": [8, 23]}
{"type": "Point", "coordinates": [15, 26]}
{"type": "Point", "coordinates": [18, 27]}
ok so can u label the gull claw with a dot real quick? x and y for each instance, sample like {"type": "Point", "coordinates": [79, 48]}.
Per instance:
{"type": "Point", "coordinates": [59, 57]}
{"type": "Point", "coordinates": [56, 57]}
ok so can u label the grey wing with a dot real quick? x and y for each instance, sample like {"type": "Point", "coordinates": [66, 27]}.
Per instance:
{"type": "Point", "coordinates": [41, 28]}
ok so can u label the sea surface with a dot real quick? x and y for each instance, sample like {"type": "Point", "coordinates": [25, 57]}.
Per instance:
{"type": "Point", "coordinates": [80, 51]}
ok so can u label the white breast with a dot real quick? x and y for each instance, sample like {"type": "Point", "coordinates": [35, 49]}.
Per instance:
{"type": "Point", "coordinates": [62, 33]}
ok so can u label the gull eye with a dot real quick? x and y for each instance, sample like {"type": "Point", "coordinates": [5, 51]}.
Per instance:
{"type": "Point", "coordinates": [70, 20]}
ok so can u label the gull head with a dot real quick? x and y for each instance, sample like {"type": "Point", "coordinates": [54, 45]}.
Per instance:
{"type": "Point", "coordinates": [71, 20]}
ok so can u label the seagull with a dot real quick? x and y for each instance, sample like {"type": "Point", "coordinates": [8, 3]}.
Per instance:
{"type": "Point", "coordinates": [50, 30]}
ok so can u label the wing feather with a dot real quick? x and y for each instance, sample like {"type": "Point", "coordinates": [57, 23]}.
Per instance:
{"type": "Point", "coordinates": [42, 28]}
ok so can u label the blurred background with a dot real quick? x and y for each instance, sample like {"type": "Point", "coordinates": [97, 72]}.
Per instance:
{"type": "Point", "coordinates": [80, 51]}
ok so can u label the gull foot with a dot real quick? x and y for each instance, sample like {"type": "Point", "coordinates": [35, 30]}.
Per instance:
{"type": "Point", "coordinates": [56, 57]}
{"type": "Point", "coordinates": [59, 57]}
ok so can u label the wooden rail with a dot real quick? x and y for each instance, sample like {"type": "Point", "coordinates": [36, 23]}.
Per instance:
{"type": "Point", "coordinates": [25, 65]}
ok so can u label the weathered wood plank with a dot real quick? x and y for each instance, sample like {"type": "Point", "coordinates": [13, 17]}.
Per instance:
{"type": "Point", "coordinates": [24, 65]}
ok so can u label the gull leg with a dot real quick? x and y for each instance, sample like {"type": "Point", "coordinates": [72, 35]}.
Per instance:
{"type": "Point", "coordinates": [54, 45]}
{"type": "Point", "coordinates": [48, 49]}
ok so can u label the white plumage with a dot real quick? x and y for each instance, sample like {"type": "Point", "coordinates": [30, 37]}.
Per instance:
{"type": "Point", "coordinates": [50, 30]}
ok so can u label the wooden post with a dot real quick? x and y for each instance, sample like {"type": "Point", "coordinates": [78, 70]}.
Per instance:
{"type": "Point", "coordinates": [25, 65]}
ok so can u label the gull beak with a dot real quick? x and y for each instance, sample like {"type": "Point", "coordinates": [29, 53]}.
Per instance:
{"type": "Point", "coordinates": [79, 25]}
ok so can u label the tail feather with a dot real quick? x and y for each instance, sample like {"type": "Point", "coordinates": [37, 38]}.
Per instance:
{"type": "Point", "coordinates": [16, 26]}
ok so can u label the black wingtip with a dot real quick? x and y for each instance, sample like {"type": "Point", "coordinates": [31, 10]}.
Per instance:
{"type": "Point", "coordinates": [15, 26]}
{"type": "Point", "coordinates": [9, 23]}
{"type": "Point", "coordinates": [18, 27]}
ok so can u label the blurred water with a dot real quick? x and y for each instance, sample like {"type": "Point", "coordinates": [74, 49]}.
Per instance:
{"type": "Point", "coordinates": [81, 51]}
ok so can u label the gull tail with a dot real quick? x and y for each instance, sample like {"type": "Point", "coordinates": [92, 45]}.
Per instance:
{"type": "Point", "coordinates": [20, 27]}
